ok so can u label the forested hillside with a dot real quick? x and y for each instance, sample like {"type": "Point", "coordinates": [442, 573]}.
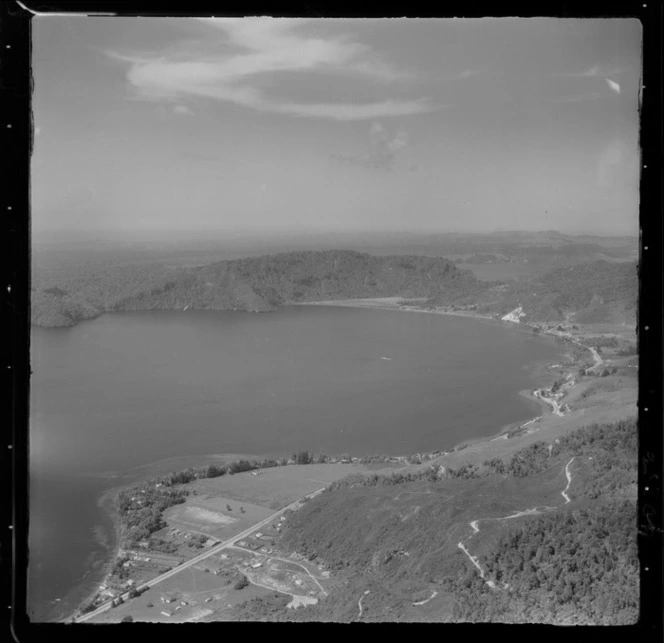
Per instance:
{"type": "Point", "coordinates": [262, 283]}
{"type": "Point", "coordinates": [566, 563]}
{"type": "Point", "coordinates": [595, 292]}
{"type": "Point", "coordinates": [600, 291]}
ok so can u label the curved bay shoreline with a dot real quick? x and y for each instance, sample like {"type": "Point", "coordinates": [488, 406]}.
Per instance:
{"type": "Point", "coordinates": [542, 373]}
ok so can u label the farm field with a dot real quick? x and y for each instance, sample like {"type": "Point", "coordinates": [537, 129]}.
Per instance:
{"type": "Point", "coordinates": [215, 516]}
{"type": "Point", "coordinates": [194, 586]}
{"type": "Point", "coordinates": [273, 488]}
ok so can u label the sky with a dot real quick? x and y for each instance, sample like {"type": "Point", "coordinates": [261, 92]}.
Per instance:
{"type": "Point", "coordinates": [263, 124]}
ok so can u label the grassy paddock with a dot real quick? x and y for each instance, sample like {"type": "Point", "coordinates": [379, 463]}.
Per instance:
{"type": "Point", "coordinates": [208, 515]}
{"type": "Point", "coordinates": [274, 488]}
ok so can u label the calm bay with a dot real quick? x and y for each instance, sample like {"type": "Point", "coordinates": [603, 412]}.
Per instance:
{"type": "Point", "coordinates": [113, 394]}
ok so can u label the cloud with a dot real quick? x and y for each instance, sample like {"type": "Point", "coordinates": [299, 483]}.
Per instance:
{"type": "Point", "coordinates": [383, 149]}
{"type": "Point", "coordinates": [183, 109]}
{"type": "Point", "coordinates": [613, 85]}
{"type": "Point", "coordinates": [228, 71]}
{"type": "Point", "coordinates": [589, 73]}
{"type": "Point", "coordinates": [593, 72]}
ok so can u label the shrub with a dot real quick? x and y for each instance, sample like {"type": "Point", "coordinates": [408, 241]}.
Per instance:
{"type": "Point", "coordinates": [241, 583]}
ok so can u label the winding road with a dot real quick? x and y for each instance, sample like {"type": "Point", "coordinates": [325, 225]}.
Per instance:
{"type": "Point", "coordinates": [426, 600]}
{"type": "Point", "coordinates": [568, 475]}
{"type": "Point", "coordinates": [359, 603]}
{"type": "Point", "coordinates": [527, 512]}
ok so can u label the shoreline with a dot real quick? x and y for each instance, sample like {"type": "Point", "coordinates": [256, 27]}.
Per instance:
{"type": "Point", "coordinates": [107, 501]}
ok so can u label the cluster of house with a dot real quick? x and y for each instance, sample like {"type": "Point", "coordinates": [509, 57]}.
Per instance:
{"type": "Point", "coordinates": [169, 599]}
{"type": "Point", "coordinates": [105, 591]}
{"type": "Point", "coordinates": [136, 556]}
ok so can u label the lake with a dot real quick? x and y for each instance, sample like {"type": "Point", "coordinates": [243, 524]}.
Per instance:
{"type": "Point", "coordinates": [128, 389]}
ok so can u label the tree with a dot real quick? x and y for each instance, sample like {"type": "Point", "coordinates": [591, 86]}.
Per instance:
{"type": "Point", "coordinates": [303, 457]}
{"type": "Point", "coordinates": [241, 583]}
{"type": "Point", "coordinates": [89, 607]}
{"type": "Point", "coordinates": [229, 508]}
{"type": "Point", "coordinates": [242, 510]}
{"type": "Point", "coordinates": [127, 619]}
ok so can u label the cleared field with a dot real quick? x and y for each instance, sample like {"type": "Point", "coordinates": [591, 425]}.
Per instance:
{"type": "Point", "coordinates": [200, 515]}
{"type": "Point", "coordinates": [193, 586]}
{"type": "Point", "coordinates": [274, 488]}
{"type": "Point", "coordinates": [209, 515]}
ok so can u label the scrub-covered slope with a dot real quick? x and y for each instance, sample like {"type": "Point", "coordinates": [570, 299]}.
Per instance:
{"type": "Point", "coordinates": [552, 532]}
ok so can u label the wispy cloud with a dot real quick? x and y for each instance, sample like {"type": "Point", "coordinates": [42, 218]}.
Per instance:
{"type": "Point", "coordinates": [593, 72]}
{"type": "Point", "coordinates": [613, 85]}
{"type": "Point", "coordinates": [257, 46]}
{"type": "Point", "coordinates": [383, 149]}
{"type": "Point", "coordinates": [183, 109]}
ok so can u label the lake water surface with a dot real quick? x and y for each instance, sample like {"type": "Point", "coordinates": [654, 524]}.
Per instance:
{"type": "Point", "coordinates": [128, 389]}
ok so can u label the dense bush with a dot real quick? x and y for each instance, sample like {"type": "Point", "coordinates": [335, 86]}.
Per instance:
{"type": "Point", "coordinates": [241, 583]}
{"type": "Point", "coordinates": [576, 567]}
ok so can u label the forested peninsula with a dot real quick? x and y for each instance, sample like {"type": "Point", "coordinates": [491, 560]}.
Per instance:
{"type": "Point", "coordinates": [595, 291]}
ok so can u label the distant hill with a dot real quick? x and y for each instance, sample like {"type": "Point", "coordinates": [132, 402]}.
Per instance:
{"type": "Point", "coordinates": [595, 292]}
{"type": "Point", "coordinates": [262, 283]}
{"type": "Point", "coordinates": [55, 307]}
{"type": "Point", "coordinates": [600, 291]}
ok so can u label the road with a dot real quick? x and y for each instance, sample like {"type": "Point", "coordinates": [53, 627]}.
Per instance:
{"type": "Point", "coordinates": [196, 559]}
{"type": "Point", "coordinates": [568, 475]}
{"type": "Point", "coordinates": [286, 560]}
{"type": "Point", "coordinates": [528, 512]}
